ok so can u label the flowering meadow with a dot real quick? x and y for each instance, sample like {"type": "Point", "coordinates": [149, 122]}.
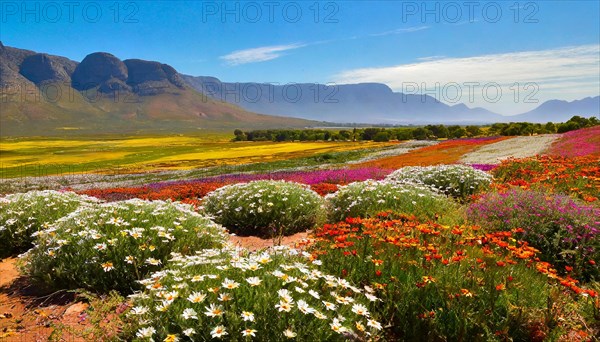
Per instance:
{"type": "Point", "coordinates": [453, 281]}
{"type": "Point", "coordinates": [446, 152]}
{"type": "Point", "coordinates": [406, 247]}
{"type": "Point", "coordinates": [578, 176]}
{"type": "Point", "coordinates": [579, 143]}
{"type": "Point", "coordinates": [321, 181]}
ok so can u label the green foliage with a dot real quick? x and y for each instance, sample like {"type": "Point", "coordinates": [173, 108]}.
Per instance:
{"type": "Point", "coordinates": [364, 199]}
{"type": "Point", "coordinates": [418, 133]}
{"type": "Point", "coordinates": [527, 128]}
{"type": "Point", "coordinates": [439, 131]}
{"type": "Point", "coordinates": [24, 214]}
{"type": "Point", "coordinates": [111, 246]}
{"type": "Point", "coordinates": [473, 131]}
{"type": "Point", "coordinates": [458, 181]}
{"type": "Point", "coordinates": [265, 208]}
{"type": "Point", "coordinates": [381, 137]}
{"type": "Point", "coordinates": [577, 122]}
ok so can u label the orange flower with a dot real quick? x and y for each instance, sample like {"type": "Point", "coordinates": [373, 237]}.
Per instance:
{"type": "Point", "coordinates": [466, 293]}
{"type": "Point", "coordinates": [377, 262]}
{"type": "Point", "coordinates": [457, 231]}
{"type": "Point", "coordinates": [500, 287]}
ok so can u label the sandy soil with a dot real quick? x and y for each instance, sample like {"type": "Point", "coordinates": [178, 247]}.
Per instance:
{"type": "Point", "coordinates": [254, 243]}
{"type": "Point", "coordinates": [25, 315]}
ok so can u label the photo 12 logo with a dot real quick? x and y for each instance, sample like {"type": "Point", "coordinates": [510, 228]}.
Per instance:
{"type": "Point", "coordinates": [69, 11]}
{"type": "Point", "coordinates": [270, 92]}
{"type": "Point", "coordinates": [454, 12]}
{"type": "Point", "coordinates": [56, 92]}
{"type": "Point", "coordinates": [269, 11]}
{"type": "Point", "coordinates": [471, 92]}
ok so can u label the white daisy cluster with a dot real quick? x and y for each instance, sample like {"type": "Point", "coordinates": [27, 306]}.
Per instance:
{"type": "Point", "coordinates": [24, 214]}
{"type": "Point", "coordinates": [110, 245]}
{"type": "Point", "coordinates": [458, 181]}
{"type": "Point", "coordinates": [233, 292]}
{"type": "Point", "coordinates": [265, 208]}
{"type": "Point", "coordinates": [369, 197]}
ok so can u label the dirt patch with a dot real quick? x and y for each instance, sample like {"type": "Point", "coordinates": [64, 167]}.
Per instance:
{"type": "Point", "coordinates": [8, 271]}
{"type": "Point", "coordinates": [254, 243]}
{"type": "Point", "coordinates": [26, 315]}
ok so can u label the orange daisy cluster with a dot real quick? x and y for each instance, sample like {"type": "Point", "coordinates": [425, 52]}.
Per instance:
{"type": "Point", "coordinates": [578, 176]}
{"type": "Point", "coordinates": [429, 245]}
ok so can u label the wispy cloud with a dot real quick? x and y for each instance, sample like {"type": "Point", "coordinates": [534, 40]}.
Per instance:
{"type": "Point", "coordinates": [399, 31]}
{"type": "Point", "coordinates": [267, 53]}
{"type": "Point", "coordinates": [259, 54]}
{"type": "Point", "coordinates": [570, 70]}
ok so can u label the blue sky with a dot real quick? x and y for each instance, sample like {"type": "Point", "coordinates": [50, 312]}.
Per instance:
{"type": "Point", "coordinates": [545, 49]}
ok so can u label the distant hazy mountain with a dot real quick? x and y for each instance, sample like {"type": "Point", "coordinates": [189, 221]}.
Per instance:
{"type": "Point", "coordinates": [43, 94]}
{"type": "Point", "coordinates": [561, 111]}
{"type": "Point", "coordinates": [365, 102]}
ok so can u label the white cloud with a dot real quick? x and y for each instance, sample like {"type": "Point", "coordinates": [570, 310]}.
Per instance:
{"type": "Point", "coordinates": [566, 73]}
{"type": "Point", "coordinates": [259, 54]}
{"type": "Point", "coordinates": [400, 30]}
{"type": "Point", "coordinates": [267, 53]}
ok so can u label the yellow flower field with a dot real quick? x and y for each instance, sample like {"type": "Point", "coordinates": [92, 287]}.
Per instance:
{"type": "Point", "coordinates": [152, 153]}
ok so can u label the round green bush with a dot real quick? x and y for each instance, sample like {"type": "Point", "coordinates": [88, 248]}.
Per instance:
{"type": "Point", "coordinates": [265, 208]}
{"type": "Point", "coordinates": [458, 181]}
{"type": "Point", "coordinates": [24, 214]}
{"type": "Point", "coordinates": [111, 246]}
{"type": "Point", "coordinates": [363, 199]}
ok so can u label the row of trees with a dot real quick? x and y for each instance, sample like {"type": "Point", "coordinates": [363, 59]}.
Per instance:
{"type": "Point", "coordinates": [418, 133]}
{"type": "Point", "coordinates": [527, 128]}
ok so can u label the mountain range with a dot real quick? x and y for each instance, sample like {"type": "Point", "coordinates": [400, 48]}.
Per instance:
{"type": "Point", "coordinates": [372, 103]}
{"type": "Point", "coordinates": [43, 94]}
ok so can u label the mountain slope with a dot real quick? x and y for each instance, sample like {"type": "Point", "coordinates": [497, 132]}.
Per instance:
{"type": "Point", "coordinates": [561, 111]}
{"type": "Point", "coordinates": [44, 95]}
{"type": "Point", "coordinates": [365, 102]}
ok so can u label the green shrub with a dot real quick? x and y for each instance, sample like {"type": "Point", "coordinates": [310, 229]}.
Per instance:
{"type": "Point", "coordinates": [24, 214]}
{"type": "Point", "coordinates": [110, 246]}
{"type": "Point", "coordinates": [265, 208]}
{"type": "Point", "coordinates": [458, 181]}
{"type": "Point", "coordinates": [363, 199]}
{"type": "Point", "coordinates": [269, 296]}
